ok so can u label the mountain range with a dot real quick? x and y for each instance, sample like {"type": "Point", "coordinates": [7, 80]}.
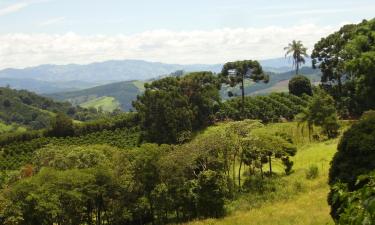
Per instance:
{"type": "Point", "coordinates": [71, 77]}
{"type": "Point", "coordinates": [122, 93]}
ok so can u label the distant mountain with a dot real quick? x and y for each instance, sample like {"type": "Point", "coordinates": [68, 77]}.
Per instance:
{"type": "Point", "coordinates": [125, 92]}
{"type": "Point", "coordinates": [63, 78]}
{"type": "Point", "coordinates": [115, 70]}
{"type": "Point", "coordinates": [39, 86]}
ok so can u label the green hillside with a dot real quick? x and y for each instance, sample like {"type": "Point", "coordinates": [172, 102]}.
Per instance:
{"type": "Point", "coordinates": [124, 92]}
{"type": "Point", "coordinates": [107, 104]}
{"type": "Point", "coordinates": [20, 107]}
{"type": "Point", "coordinates": [127, 91]}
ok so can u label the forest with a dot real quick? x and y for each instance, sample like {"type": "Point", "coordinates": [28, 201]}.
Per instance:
{"type": "Point", "coordinates": [186, 156]}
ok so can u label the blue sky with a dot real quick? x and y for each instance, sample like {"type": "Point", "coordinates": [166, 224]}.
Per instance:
{"type": "Point", "coordinates": [82, 31]}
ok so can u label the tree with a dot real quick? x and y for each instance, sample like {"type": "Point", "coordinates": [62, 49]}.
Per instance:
{"type": "Point", "coordinates": [61, 126]}
{"type": "Point", "coordinates": [320, 112]}
{"type": "Point", "coordinates": [211, 191]}
{"type": "Point", "coordinates": [164, 111]}
{"type": "Point", "coordinates": [234, 73]}
{"type": "Point", "coordinates": [357, 206]}
{"type": "Point", "coordinates": [172, 108]}
{"type": "Point", "coordinates": [6, 103]}
{"type": "Point", "coordinates": [297, 52]}
{"type": "Point", "coordinates": [355, 157]}
{"type": "Point", "coordinates": [202, 91]}
{"type": "Point", "coordinates": [347, 59]}
{"type": "Point", "coordinates": [300, 85]}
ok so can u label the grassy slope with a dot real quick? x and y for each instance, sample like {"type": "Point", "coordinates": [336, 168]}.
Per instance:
{"type": "Point", "coordinates": [124, 92]}
{"type": "Point", "coordinates": [107, 104]}
{"type": "Point", "coordinates": [296, 200]}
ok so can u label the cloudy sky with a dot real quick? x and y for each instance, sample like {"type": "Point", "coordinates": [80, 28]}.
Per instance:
{"type": "Point", "coordinates": [34, 32]}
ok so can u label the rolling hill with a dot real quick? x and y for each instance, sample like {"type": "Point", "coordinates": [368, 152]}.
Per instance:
{"type": "Point", "coordinates": [63, 78]}
{"type": "Point", "coordinates": [27, 109]}
{"type": "Point", "coordinates": [125, 92]}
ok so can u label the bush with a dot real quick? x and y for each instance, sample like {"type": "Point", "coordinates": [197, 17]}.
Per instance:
{"type": "Point", "coordinates": [300, 85]}
{"type": "Point", "coordinates": [355, 157]}
{"type": "Point", "coordinates": [312, 172]}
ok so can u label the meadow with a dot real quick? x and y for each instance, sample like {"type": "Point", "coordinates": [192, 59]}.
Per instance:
{"type": "Point", "coordinates": [294, 199]}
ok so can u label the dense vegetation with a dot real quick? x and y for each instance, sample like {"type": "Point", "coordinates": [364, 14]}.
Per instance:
{"type": "Point", "coordinates": [271, 108]}
{"type": "Point", "coordinates": [173, 107]}
{"type": "Point", "coordinates": [186, 155]}
{"type": "Point", "coordinates": [355, 157]}
{"type": "Point", "coordinates": [33, 111]}
{"type": "Point", "coordinates": [347, 61]}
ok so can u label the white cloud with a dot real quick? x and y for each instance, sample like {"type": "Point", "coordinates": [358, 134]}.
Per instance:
{"type": "Point", "coordinates": [13, 8]}
{"type": "Point", "coordinates": [52, 21]}
{"type": "Point", "coordinates": [214, 46]}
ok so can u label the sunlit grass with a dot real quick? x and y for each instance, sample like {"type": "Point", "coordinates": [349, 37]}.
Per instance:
{"type": "Point", "coordinates": [107, 104]}
{"type": "Point", "coordinates": [295, 200]}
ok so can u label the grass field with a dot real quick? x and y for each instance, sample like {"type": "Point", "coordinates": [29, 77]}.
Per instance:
{"type": "Point", "coordinates": [107, 104]}
{"type": "Point", "coordinates": [295, 199]}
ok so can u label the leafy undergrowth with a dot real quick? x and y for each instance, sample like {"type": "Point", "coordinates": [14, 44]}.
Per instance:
{"type": "Point", "coordinates": [288, 200]}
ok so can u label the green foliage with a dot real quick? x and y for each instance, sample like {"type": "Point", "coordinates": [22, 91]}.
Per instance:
{"type": "Point", "coordinates": [356, 152]}
{"type": "Point", "coordinates": [61, 126]}
{"type": "Point", "coordinates": [355, 157]}
{"type": "Point", "coordinates": [300, 85]}
{"type": "Point", "coordinates": [271, 108]}
{"type": "Point", "coordinates": [34, 111]}
{"type": "Point", "coordinates": [212, 190]}
{"type": "Point", "coordinates": [346, 59]}
{"type": "Point", "coordinates": [312, 172]}
{"type": "Point", "coordinates": [321, 112]}
{"type": "Point", "coordinates": [171, 108]}
{"type": "Point", "coordinates": [356, 207]}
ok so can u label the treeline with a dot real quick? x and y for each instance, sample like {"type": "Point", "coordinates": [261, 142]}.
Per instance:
{"type": "Point", "coordinates": [152, 183]}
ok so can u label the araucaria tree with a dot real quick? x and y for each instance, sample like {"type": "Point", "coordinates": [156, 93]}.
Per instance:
{"type": "Point", "coordinates": [234, 73]}
{"type": "Point", "coordinates": [297, 51]}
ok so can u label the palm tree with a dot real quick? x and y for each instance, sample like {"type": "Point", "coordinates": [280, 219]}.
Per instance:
{"type": "Point", "coordinates": [297, 52]}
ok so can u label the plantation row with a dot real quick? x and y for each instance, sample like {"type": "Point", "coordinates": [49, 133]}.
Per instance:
{"type": "Point", "coordinates": [270, 108]}
{"type": "Point", "coordinates": [125, 120]}
{"type": "Point", "coordinates": [17, 154]}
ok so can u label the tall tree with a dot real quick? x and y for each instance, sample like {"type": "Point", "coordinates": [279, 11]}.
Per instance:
{"type": "Point", "coordinates": [297, 52]}
{"type": "Point", "coordinates": [347, 61]}
{"type": "Point", "coordinates": [234, 73]}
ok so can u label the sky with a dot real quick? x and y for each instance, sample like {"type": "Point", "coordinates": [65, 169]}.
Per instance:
{"type": "Point", "coordinates": [34, 32]}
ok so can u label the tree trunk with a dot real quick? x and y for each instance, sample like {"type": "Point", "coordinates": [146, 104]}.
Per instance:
{"type": "Point", "coordinates": [239, 174]}
{"type": "Point", "coordinates": [243, 95]}
{"type": "Point", "coordinates": [261, 169]}
{"type": "Point", "coordinates": [270, 164]}
{"type": "Point", "coordinates": [234, 171]}
{"type": "Point", "coordinates": [297, 68]}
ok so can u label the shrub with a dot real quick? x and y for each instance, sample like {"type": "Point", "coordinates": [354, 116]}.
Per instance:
{"type": "Point", "coordinates": [300, 85]}
{"type": "Point", "coordinates": [355, 157]}
{"type": "Point", "coordinates": [312, 172]}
